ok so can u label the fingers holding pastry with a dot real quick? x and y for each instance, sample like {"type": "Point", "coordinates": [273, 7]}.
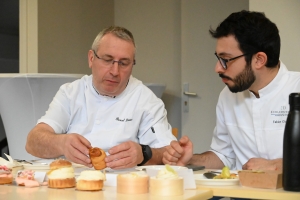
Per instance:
{"type": "Point", "coordinates": [97, 157]}
{"type": "Point", "coordinates": [75, 148]}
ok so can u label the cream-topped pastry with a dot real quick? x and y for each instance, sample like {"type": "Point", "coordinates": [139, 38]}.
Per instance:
{"type": "Point", "coordinates": [167, 174]}
{"type": "Point", "coordinates": [91, 175]}
{"type": "Point", "coordinates": [133, 183]}
{"type": "Point", "coordinates": [135, 174]}
{"type": "Point", "coordinates": [90, 180]}
{"type": "Point", "coordinates": [166, 183]}
{"type": "Point", "coordinates": [61, 174]}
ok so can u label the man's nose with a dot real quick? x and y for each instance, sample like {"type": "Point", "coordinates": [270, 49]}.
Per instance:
{"type": "Point", "coordinates": [114, 68]}
{"type": "Point", "coordinates": [219, 68]}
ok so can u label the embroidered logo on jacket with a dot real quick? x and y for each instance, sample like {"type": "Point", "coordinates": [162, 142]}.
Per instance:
{"type": "Point", "coordinates": [123, 120]}
{"type": "Point", "coordinates": [281, 114]}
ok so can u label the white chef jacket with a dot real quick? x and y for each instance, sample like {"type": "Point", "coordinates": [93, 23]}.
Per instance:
{"type": "Point", "coordinates": [136, 114]}
{"type": "Point", "coordinates": [249, 127]}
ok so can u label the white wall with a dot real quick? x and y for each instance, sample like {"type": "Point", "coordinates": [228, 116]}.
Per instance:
{"type": "Point", "coordinates": [286, 15]}
{"type": "Point", "coordinates": [155, 25]}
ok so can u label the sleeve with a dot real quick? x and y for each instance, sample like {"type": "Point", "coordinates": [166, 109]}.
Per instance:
{"type": "Point", "coordinates": [58, 114]}
{"type": "Point", "coordinates": [155, 130]}
{"type": "Point", "coordinates": [221, 143]}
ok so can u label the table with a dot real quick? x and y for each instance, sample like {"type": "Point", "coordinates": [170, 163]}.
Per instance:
{"type": "Point", "coordinates": [12, 192]}
{"type": "Point", "coordinates": [239, 191]}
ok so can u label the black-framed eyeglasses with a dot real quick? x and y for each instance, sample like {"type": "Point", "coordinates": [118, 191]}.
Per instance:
{"type": "Point", "coordinates": [108, 62]}
{"type": "Point", "coordinates": [224, 61]}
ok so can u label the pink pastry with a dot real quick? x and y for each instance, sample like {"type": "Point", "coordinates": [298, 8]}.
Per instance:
{"type": "Point", "coordinates": [5, 175]}
{"type": "Point", "coordinates": [26, 178]}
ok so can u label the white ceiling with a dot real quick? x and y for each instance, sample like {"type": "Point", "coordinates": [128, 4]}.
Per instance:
{"type": "Point", "coordinates": [9, 17]}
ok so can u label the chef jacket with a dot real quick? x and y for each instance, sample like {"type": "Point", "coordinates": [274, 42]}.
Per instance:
{"type": "Point", "coordinates": [136, 114]}
{"type": "Point", "coordinates": [249, 127]}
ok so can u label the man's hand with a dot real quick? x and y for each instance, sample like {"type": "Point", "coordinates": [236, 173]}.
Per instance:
{"type": "Point", "coordinates": [76, 149]}
{"type": "Point", "coordinates": [43, 142]}
{"type": "Point", "coordinates": [125, 155]}
{"type": "Point", "coordinates": [178, 153]}
{"type": "Point", "coordinates": [263, 164]}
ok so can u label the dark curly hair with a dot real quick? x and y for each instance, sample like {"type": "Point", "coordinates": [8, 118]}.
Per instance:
{"type": "Point", "coordinates": [254, 33]}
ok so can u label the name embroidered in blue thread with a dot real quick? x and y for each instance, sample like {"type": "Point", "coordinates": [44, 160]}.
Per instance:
{"type": "Point", "coordinates": [280, 113]}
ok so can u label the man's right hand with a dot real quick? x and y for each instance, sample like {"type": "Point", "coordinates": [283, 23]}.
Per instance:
{"type": "Point", "coordinates": [178, 152]}
{"type": "Point", "coordinates": [76, 149]}
{"type": "Point", "coordinates": [43, 142]}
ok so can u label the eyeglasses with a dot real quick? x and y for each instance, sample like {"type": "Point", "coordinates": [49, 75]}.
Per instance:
{"type": "Point", "coordinates": [108, 62]}
{"type": "Point", "coordinates": [224, 61]}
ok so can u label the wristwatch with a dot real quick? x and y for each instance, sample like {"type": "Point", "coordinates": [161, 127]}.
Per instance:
{"type": "Point", "coordinates": [147, 153]}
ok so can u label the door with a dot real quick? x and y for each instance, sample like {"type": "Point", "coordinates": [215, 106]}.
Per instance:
{"type": "Point", "coordinates": [198, 62]}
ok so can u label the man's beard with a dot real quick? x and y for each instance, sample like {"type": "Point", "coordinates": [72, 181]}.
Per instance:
{"type": "Point", "coordinates": [242, 81]}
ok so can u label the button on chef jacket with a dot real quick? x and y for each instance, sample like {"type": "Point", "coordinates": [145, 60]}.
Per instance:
{"type": "Point", "coordinates": [249, 127]}
{"type": "Point", "coordinates": [136, 114]}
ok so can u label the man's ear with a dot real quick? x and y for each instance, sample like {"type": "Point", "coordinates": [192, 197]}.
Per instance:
{"type": "Point", "coordinates": [260, 60]}
{"type": "Point", "coordinates": [90, 58]}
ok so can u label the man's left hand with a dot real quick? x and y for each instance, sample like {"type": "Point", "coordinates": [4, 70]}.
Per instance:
{"type": "Point", "coordinates": [263, 164]}
{"type": "Point", "coordinates": [125, 155]}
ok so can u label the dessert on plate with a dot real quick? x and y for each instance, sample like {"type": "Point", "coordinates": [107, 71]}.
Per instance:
{"type": "Point", "coordinates": [166, 183]}
{"type": "Point", "coordinates": [61, 174]}
{"type": "Point", "coordinates": [225, 174]}
{"type": "Point", "coordinates": [97, 156]}
{"type": "Point", "coordinates": [26, 178]}
{"type": "Point", "coordinates": [133, 183]}
{"type": "Point", "coordinates": [90, 180]}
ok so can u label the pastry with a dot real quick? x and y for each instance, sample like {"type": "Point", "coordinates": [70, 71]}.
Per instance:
{"type": "Point", "coordinates": [11, 164]}
{"type": "Point", "coordinates": [133, 183]}
{"type": "Point", "coordinates": [97, 156]}
{"type": "Point", "coordinates": [26, 178]}
{"type": "Point", "coordinates": [90, 180]}
{"type": "Point", "coordinates": [6, 176]}
{"type": "Point", "coordinates": [166, 183]}
{"type": "Point", "coordinates": [61, 174]}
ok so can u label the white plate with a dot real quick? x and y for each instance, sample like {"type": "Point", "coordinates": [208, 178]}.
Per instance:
{"type": "Point", "coordinates": [202, 180]}
{"type": "Point", "coordinates": [36, 166]}
{"type": "Point", "coordinates": [159, 167]}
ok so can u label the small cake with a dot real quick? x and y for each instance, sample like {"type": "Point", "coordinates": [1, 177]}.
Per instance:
{"type": "Point", "coordinates": [90, 180]}
{"type": "Point", "coordinates": [97, 157]}
{"type": "Point", "coordinates": [166, 183]}
{"type": "Point", "coordinates": [61, 174]}
{"type": "Point", "coordinates": [6, 176]}
{"type": "Point", "coordinates": [26, 178]}
{"type": "Point", "coordinates": [133, 183]}
{"type": "Point", "coordinates": [11, 164]}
